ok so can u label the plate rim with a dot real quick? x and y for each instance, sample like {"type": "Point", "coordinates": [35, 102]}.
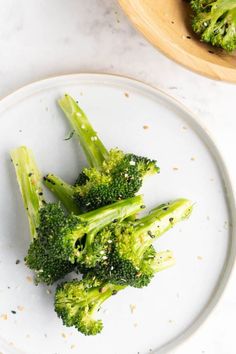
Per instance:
{"type": "Point", "coordinates": [199, 128]}
{"type": "Point", "coordinates": [200, 67]}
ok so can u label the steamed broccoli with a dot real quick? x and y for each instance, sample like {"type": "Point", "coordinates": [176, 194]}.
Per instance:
{"type": "Point", "coordinates": [122, 253]}
{"type": "Point", "coordinates": [215, 21]}
{"type": "Point", "coordinates": [78, 302]}
{"type": "Point", "coordinates": [111, 176]}
{"type": "Point", "coordinates": [57, 238]}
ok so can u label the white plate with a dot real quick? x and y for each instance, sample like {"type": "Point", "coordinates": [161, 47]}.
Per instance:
{"type": "Point", "coordinates": [179, 299]}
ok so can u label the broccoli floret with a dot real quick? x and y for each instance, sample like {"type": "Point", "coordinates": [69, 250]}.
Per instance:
{"type": "Point", "coordinates": [123, 252]}
{"type": "Point", "coordinates": [57, 238]}
{"type": "Point", "coordinates": [78, 302]}
{"type": "Point", "coordinates": [111, 176]}
{"type": "Point", "coordinates": [215, 21]}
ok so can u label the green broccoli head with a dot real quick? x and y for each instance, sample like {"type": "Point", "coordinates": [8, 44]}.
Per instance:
{"type": "Point", "coordinates": [111, 175]}
{"type": "Point", "coordinates": [122, 252]}
{"type": "Point", "coordinates": [58, 239]}
{"type": "Point", "coordinates": [78, 302]}
{"type": "Point", "coordinates": [44, 256]}
{"type": "Point", "coordinates": [120, 177]}
{"type": "Point", "coordinates": [215, 21]}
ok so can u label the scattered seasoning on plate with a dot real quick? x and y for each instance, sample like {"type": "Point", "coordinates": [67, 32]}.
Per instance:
{"type": "Point", "coordinates": [132, 308]}
{"type": "Point", "coordinates": [17, 261]}
{"type": "Point", "coordinates": [200, 258]}
{"type": "Point", "coordinates": [13, 312]}
{"type": "Point", "coordinates": [63, 335]}
{"type": "Point", "coordinates": [48, 291]}
{"type": "Point", "coordinates": [135, 324]}
{"type": "Point", "coordinates": [126, 94]}
{"type": "Point", "coordinates": [184, 127]}
{"type": "Point", "coordinates": [20, 308]}
{"type": "Point", "coordinates": [27, 336]}
{"type": "Point", "coordinates": [175, 168]}
{"type": "Point", "coordinates": [145, 127]}
{"type": "Point", "coordinates": [29, 279]}
{"type": "Point", "coordinates": [72, 346]}
{"type": "Point", "coordinates": [193, 158]}
{"type": "Point", "coordinates": [4, 317]}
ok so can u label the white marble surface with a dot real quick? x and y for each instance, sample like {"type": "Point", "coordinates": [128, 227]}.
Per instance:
{"type": "Point", "coordinates": [50, 37]}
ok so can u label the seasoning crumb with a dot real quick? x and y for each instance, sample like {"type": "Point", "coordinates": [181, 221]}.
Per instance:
{"type": "Point", "coordinates": [81, 93]}
{"type": "Point", "coordinates": [184, 127]}
{"type": "Point", "coordinates": [126, 94]}
{"type": "Point", "coordinates": [4, 317]}
{"type": "Point", "coordinates": [48, 291]}
{"type": "Point", "coordinates": [170, 321]}
{"type": "Point", "coordinates": [17, 261]}
{"type": "Point", "coordinates": [27, 336]}
{"type": "Point", "coordinates": [175, 168]}
{"type": "Point", "coordinates": [45, 335]}
{"type": "Point", "coordinates": [72, 346]}
{"type": "Point", "coordinates": [104, 311]}
{"type": "Point", "coordinates": [132, 308]}
{"type": "Point", "coordinates": [20, 131]}
{"type": "Point", "coordinates": [200, 258]}
{"type": "Point", "coordinates": [13, 312]}
{"type": "Point", "coordinates": [135, 324]}
{"type": "Point", "coordinates": [20, 308]}
{"type": "Point", "coordinates": [63, 335]}
{"type": "Point", "coordinates": [193, 158]}
{"type": "Point", "coordinates": [145, 127]}
{"type": "Point", "coordinates": [29, 279]}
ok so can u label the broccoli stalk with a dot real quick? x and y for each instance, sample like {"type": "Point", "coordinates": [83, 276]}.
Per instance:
{"type": "Point", "coordinates": [124, 253]}
{"type": "Point", "coordinates": [215, 21]}
{"type": "Point", "coordinates": [29, 180]}
{"type": "Point", "coordinates": [111, 176]}
{"type": "Point", "coordinates": [55, 234]}
{"type": "Point", "coordinates": [78, 302]}
{"type": "Point", "coordinates": [92, 146]}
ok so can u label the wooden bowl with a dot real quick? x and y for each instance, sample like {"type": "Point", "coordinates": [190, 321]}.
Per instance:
{"type": "Point", "coordinates": [167, 25]}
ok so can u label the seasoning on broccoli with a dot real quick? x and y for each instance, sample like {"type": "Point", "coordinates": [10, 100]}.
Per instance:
{"type": "Point", "coordinates": [215, 22]}
{"type": "Point", "coordinates": [112, 175]}
{"type": "Point", "coordinates": [78, 302]}
{"type": "Point", "coordinates": [122, 253]}
{"type": "Point", "coordinates": [57, 238]}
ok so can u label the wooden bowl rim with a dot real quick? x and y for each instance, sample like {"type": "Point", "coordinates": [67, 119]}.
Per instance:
{"type": "Point", "coordinates": [201, 66]}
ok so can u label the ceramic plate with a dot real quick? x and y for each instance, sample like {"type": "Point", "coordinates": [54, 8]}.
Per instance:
{"type": "Point", "coordinates": [143, 120]}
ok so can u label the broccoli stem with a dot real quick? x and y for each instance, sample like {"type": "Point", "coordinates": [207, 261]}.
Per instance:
{"type": "Point", "coordinates": [160, 220]}
{"type": "Point", "coordinates": [97, 219]}
{"type": "Point", "coordinates": [29, 180]}
{"type": "Point", "coordinates": [93, 147]}
{"type": "Point", "coordinates": [63, 191]}
{"type": "Point", "coordinates": [162, 261]}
